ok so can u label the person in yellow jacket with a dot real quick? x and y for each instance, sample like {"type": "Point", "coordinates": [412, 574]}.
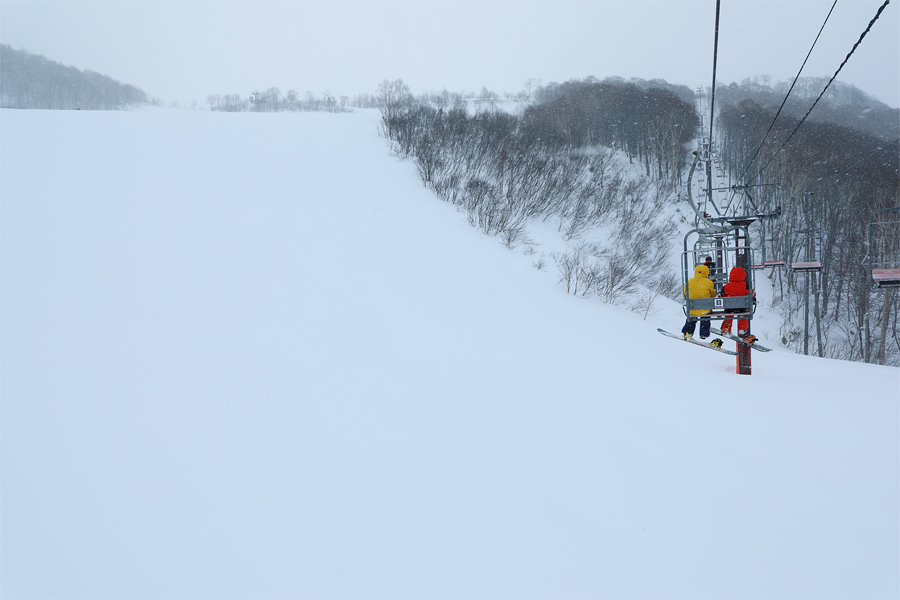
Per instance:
{"type": "Point", "coordinates": [699, 286]}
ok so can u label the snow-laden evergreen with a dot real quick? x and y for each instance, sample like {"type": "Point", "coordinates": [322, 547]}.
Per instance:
{"type": "Point", "coordinates": [250, 355]}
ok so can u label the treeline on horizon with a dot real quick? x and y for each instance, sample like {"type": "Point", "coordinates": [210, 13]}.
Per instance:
{"type": "Point", "coordinates": [842, 103]}
{"type": "Point", "coordinates": [272, 100]}
{"type": "Point", "coordinates": [651, 122]}
{"type": "Point", "coordinates": [33, 81]}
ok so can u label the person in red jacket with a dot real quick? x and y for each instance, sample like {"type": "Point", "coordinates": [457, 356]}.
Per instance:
{"type": "Point", "coordinates": [736, 286]}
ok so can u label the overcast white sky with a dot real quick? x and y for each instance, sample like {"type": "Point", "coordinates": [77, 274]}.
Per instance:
{"type": "Point", "coordinates": [182, 51]}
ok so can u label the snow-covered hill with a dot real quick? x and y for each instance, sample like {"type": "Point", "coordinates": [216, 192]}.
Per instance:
{"type": "Point", "coordinates": [249, 355]}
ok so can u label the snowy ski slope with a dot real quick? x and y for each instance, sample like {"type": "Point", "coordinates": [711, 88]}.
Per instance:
{"type": "Point", "coordinates": [250, 356]}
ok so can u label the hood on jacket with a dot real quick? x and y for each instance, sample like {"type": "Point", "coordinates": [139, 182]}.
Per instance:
{"type": "Point", "coordinates": [737, 274]}
{"type": "Point", "coordinates": [701, 271]}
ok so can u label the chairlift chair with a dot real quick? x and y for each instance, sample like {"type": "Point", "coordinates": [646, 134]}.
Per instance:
{"type": "Point", "coordinates": [882, 252]}
{"type": "Point", "coordinates": [813, 245]}
{"type": "Point", "coordinates": [883, 278]}
{"type": "Point", "coordinates": [810, 266]}
{"type": "Point", "coordinates": [769, 263]}
{"type": "Point", "coordinates": [729, 246]}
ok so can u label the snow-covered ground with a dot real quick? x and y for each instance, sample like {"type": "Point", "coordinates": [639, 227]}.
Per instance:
{"type": "Point", "coordinates": [250, 356]}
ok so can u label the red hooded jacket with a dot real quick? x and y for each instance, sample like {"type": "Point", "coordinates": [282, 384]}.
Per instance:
{"type": "Point", "coordinates": [736, 285]}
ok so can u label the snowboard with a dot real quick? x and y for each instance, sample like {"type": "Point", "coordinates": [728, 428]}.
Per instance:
{"type": "Point", "coordinates": [697, 342]}
{"type": "Point", "coordinates": [731, 336]}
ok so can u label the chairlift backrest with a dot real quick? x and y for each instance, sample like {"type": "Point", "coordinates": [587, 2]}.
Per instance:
{"type": "Point", "coordinates": [883, 247]}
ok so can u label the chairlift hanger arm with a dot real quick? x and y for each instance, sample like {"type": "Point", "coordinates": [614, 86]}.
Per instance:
{"type": "Point", "coordinates": [873, 260]}
{"type": "Point", "coordinates": [892, 209]}
{"type": "Point", "coordinates": [700, 216]}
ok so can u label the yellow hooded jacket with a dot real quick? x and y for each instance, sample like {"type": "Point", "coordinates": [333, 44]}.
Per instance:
{"type": "Point", "coordinates": [699, 286]}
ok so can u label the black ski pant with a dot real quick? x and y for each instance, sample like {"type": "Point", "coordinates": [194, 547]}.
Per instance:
{"type": "Point", "coordinates": [691, 324]}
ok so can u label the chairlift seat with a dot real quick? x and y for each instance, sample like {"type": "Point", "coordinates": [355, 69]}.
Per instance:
{"type": "Point", "coordinates": [741, 304]}
{"type": "Point", "coordinates": [807, 267]}
{"type": "Point", "coordinates": [886, 277]}
{"type": "Point", "coordinates": [769, 263]}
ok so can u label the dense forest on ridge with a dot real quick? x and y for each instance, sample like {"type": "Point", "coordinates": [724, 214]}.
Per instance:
{"type": "Point", "coordinates": [33, 81]}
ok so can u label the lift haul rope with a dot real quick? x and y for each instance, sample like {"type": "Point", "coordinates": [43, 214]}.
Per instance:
{"type": "Point", "coordinates": [783, 102]}
{"type": "Point", "coordinates": [833, 77]}
{"type": "Point", "coordinates": [712, 101]}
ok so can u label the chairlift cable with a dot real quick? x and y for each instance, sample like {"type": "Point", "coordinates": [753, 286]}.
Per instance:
{"type": "Point", "coordinates": [833, 77]}
{"type": "Point", "coordinates": [783, 102]}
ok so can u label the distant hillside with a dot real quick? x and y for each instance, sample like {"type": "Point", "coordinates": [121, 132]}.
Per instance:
{"type": "Point", "coordinates": [33, 81]}
{"type": "Point", "coordinates": [843, 104]}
